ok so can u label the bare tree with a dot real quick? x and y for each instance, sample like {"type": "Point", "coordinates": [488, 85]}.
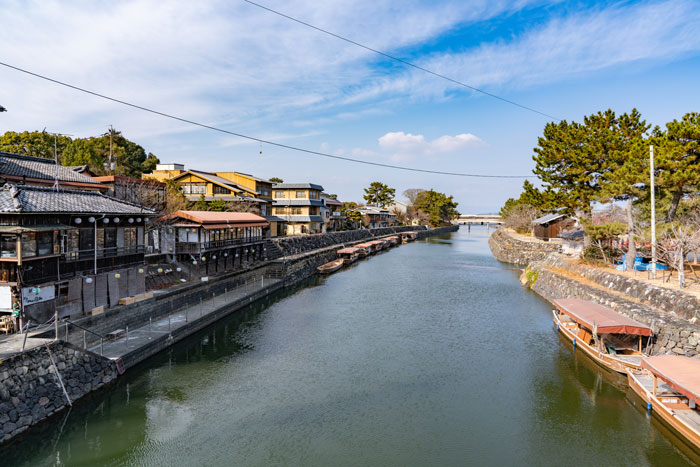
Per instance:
{"type": "Point", "coordinates": [520, 217]}
{"type": "Point", "coordinates": [679, 240]}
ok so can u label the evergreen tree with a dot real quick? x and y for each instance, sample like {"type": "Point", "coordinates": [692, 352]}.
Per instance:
{"type": "Point", "coordinates": [379, 194]}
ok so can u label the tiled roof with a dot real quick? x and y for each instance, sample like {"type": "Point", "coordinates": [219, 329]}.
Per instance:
{"type": "Point", "coordinates": [39, 167]}
{"type": "Point", "coordinates": [375, 210]}
{"type": "Point", "coordinates": [32, 199]}
{"type": "Point", "coordinates": [297, 186]}
{"type": "Point", "coordinates": [297, 202]}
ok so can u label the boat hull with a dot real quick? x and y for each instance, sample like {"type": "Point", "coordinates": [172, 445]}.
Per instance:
{"type": "Point", "coordinates": [605, 360]}
{"type": "Point", "coordinates": [667, 415]}
{"type": "Point", "coordinates": [330, 267]}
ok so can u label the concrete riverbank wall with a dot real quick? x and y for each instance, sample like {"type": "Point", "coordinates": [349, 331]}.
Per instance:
{"type": "Point", "coordinates": [672, 314]}
{"type": "Point", "coordinates": [30, 390]}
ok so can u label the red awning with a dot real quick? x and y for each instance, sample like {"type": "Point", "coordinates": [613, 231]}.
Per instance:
{"type": "Point", "coordinates": [233, 226]}
{"type": "Point", "coordinates": [591, 314]}
{"type": "Point", "coordinates": [681, 373]}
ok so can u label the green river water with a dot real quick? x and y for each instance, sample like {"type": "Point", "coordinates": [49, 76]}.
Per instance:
{"type": "Point", "coordinates": [431, 354]}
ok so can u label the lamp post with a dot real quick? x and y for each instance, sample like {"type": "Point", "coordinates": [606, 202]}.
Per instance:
{"type": "Point", "coordinates": [653, 212]}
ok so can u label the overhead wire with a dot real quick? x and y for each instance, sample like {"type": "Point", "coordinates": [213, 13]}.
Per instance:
{"type": "Point", "coordinates": [400, 60]}
{"type": "Point", "coordinates": [251, 138]}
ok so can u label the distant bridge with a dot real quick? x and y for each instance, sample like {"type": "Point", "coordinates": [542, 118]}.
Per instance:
{"type": "Point", "coordinates": [478, 219]}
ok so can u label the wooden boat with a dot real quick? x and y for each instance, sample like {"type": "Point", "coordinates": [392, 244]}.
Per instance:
{"type": "Point", "coordinates": [348, 255]}
{"type": "Point", "coordinates": [670, 386]}
{"type": "Point", "coordinates": [364, 249]}
{"type": "Point", "coordinates": [393, 240]}
{"type": "Point", "coordinates": [378, 245]}
{"type": "Point", "coordinates": [330, 267]}
{"type": "Point", "coordinates": [408, 236]}
{"type": "Point", "coordinates": [611, 339]}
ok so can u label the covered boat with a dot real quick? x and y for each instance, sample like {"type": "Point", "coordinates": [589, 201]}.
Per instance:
{"type": "Point", "coordinates": [393, 240]}
{"type": "Point", "coordinates": [378, 245]}
{"type": "Point", "coordinates": [613, 340]}
{"type": "Point", "coordinates": [408, 236]}
{"type": "Point", "coordinates": [348, 255]}
{"type": "Point", "coordinates": [331, 267]}
{"type": "Point", "coordinates": [368, 248]}
{"type": "Point", "coordinates": [670, 385]}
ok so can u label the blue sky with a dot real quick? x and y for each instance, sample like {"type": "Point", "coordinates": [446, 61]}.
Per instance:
{"type": "Point", "coordinates": [235, 66]}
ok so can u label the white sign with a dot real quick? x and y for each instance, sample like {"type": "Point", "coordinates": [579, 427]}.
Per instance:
{"type": "Point", "coordinates": [32, 295]}
{"type": "Point", "coordinates": [5, 298]}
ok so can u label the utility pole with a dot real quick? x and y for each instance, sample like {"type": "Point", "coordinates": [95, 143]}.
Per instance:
{"type": "Point", "coordinates": [55, 158]}
{"type": "Point", "coordinates": [653, 212]}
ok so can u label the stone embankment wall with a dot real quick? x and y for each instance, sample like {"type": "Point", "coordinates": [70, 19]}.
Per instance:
{"type": "Point", "coordinates": [300, 266]}
{"type": "Point", "coordinates": [31, 392]}
{"type": "Point", "coordinates": [672, 314]}
{"type": "Point", "coordinates": [29, 389]}
{"type": "Point", "coordinates": [508, 249]}
{"type": "Point", "coordinates": [296, 245]}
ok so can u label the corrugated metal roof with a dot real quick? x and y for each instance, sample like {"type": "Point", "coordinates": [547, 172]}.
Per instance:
{"type": "Point", "coordinates": [38, 167]}
{"type": "Point", "coordinates": [31, 199]}
{"type": "Point", "coordinates": [548, 218]}
{"type": "Point", "coordinates": [301, 218]}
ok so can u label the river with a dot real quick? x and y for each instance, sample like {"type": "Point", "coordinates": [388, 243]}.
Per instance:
{"type": "Point", "coordinates": [431, 354]}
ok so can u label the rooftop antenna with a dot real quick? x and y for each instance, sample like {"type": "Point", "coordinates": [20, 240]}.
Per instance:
{"type": "Point", "coordinates": [55, 158]}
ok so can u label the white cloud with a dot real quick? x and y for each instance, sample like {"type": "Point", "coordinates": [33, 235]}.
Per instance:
{"type": "Point", "coordinates": [406, 146]}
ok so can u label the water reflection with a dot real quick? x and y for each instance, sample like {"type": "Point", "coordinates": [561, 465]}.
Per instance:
{"type": "Point", "coordinates": [428, 354]}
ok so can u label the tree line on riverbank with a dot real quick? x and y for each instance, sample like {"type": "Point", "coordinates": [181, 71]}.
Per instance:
{"type": "Point", "coordinates": [605, 160]}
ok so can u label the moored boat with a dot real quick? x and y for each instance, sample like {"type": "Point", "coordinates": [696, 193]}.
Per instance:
{"type": "Point", "coordinates": [348, 255]}
{"type": "Point", "coordinates": [393, 240]}
{"type": "Point", "coordinates": [611, 339]}
{"type": "Point", "coordinates": [408, 236]}
{"type": "Point", "coordinates": [670, 386]}
{"type": "Point", "coordinates": [368, 248]}
{"type": "Point", "coordinates": [331, 267]}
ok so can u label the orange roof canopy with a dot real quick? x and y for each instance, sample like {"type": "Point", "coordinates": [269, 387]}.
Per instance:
{"type": "Point", "coordinates": [681, 373]}
{"type": "Point", "coordinates": [591, 314]}
{"type": "Point", "coordinates": [221, 220]}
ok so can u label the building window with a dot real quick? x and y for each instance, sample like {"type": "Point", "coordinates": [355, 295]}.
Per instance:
{"type": "Point", "coordinates": [313, 194]}
{"type": "Point", "coordinates": [8, 246]}
{"type": "Point", "coordinates": [28, 244]}
{"type": "Point", "coordinates": [263, 210]}
{"type": "Point", "coordinates": [130, 238]}
{"type": "Point", "coordinates": [279, 194]}
{"type": "Point", "coordinates": [301, 194]}
{"type": "Point", "coordinates": [44, 241]}
{"type": "Point", "coordinates": [219, 190]}
{"type": "Point", "coordinates": [194, 188]}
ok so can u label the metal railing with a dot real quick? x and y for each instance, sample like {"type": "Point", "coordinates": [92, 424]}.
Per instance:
{"type": "Point", "coordinates": [197, 247]}
{"type": "Point", "coordinates": [85, 331]}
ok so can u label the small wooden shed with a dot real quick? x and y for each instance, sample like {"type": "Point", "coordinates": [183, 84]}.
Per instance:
{"type": "Point", "coordinates": [551, 225]}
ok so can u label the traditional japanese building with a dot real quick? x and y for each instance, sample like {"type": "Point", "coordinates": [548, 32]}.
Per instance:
{"type": "Point", "coordinates": [215, 241]}
{"type": "Point", "coordinates": [39, 171]}
{"type": "Point", "coordinates": [299, 204]}
{"type": "Point", "coordinates": [375, 217]}
{"type": "Point", "coordinates": [51, 239]}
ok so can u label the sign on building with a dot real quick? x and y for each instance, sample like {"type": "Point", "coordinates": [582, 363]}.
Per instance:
{"type": "Point", "coordinates": [32, 295]}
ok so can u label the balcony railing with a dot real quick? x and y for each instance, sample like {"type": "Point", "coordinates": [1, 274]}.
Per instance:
{"type": "Point", "coordinates": [81, 255]}
{"type": "Point", "coordinates": [196, 247]}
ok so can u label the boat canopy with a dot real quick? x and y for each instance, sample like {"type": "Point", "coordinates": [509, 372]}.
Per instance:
{"type": "Point", "coordinates": [596, 316]}
{"type": "Point", "coordinates": [681, 373]}
{"type": "Point", "coordinates": [347, 250]}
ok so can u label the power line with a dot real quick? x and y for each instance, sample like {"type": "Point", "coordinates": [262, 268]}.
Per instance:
{"type": "Point", "coordinates": [252, 138]}
{"type": "Point", "coordinates": [407, 63]}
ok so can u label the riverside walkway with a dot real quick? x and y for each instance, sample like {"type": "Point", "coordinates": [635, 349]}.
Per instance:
{"type": "Point", "coordinates": [200, 315]}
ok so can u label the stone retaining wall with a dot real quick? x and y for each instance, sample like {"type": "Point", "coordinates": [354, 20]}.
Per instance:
{"type": "Point", "coordinates": [556, 277]}
{"type": "Point", "coordinates": [30, 391]}
{"type": "Point", "coordinates": [508, 249]}
{"type": "Point", "coordinates": [298, 244]}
